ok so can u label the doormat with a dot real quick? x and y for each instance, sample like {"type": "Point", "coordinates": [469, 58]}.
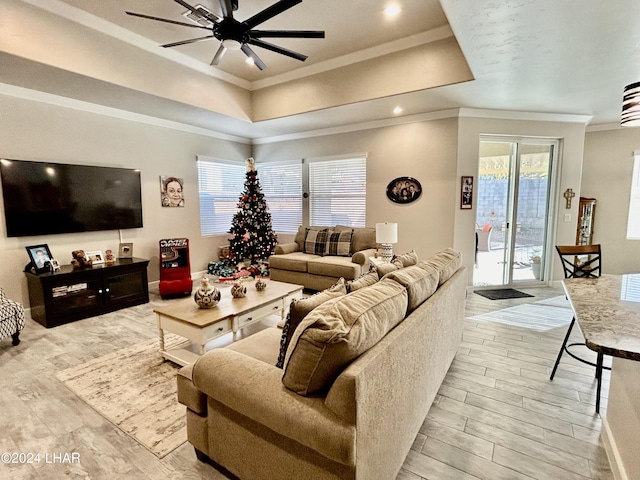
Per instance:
{"type": "Point", "coordinates": [502, 293]}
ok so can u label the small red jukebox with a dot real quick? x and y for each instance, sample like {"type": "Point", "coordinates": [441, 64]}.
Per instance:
{"type": "Point", "coordinates": [175, 269]}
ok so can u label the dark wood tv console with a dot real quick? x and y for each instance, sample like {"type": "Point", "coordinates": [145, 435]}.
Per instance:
{"type": "Point", "coordinates": [72, 294]}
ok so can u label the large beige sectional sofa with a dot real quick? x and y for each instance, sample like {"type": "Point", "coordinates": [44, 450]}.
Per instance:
{"type": "Point", "coordinates": [300, 263]}
{"type": "Point", "coordinates": [366, 367]}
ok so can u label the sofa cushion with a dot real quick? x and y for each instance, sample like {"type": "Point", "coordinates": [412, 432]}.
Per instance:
{"type": "Point", "coordinates": [447, 262]}
{"type": "Point", "coordinates": [362, 239]}
{"type": "Point", "coordinates": [364, 280]}
{"type": "Point", "coordinates": [339, 243]}
{"type": "Point", "coordinates": [300, 309]}
{"type": "Point", "coordinates": [386, 267]}
{"type": "Point", "coordinates": [338, 331]}
{"type": "Point", "coordinates": [419, 280]}
{"type": "Point", "coordinates": [315, 241]}
{"type": "Point", "coordinates": [407, 259]}
{"type": "Point", "coordinates": [292, 262]}
{"type": "Point", "coordinates": [334, 267]}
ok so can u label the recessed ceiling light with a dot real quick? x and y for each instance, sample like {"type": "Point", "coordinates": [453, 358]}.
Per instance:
{"type": "Point", "coordinates": [392, 10]}
{"type": "Point", "coordinates": [397, 110]}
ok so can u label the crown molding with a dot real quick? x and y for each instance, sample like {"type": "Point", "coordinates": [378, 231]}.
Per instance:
{"type": "Point", "coordinates": [65, 102]}
{"type": "Point", "coordinates": [527, 116]}
{"type": "Point", "coordinates": [355, 127]}
{"type": "Point", "coordinates": [422, 38]}
{"type": "Point", "coordinates": [602, 127]}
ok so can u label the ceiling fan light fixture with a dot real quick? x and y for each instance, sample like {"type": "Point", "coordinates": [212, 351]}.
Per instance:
{"type": "Point", "coordinates": [631, 106]}
{"type": "Point", "coordinates": [231, 44]}
{"type": "Point", "coordinates": [392, 10]}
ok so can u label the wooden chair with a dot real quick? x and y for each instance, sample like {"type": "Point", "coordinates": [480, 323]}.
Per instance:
{"type": "Point", "coordinates": [581, 261]}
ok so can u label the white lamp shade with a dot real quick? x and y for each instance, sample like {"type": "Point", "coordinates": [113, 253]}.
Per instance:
{"type": "Point", "coordinates": [386, 233]}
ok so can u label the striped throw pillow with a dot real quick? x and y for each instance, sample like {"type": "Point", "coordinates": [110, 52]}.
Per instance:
{"type": "Point", "coordinates": [315, 242]}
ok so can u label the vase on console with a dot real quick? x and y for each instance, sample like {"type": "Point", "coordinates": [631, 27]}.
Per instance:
{"type": "Point", "coordinates": [207, 296]}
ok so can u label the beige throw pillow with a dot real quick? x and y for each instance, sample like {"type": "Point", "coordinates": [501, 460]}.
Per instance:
{"type": "Point", "coordinates": [338, 331]}
{"type": "Point", "coordinates": [421, 281]}
{"type": "Point", "coordinates": [300, 309]}
{"type": "Point", "coordinates": [362, 281]}
{"type": "Point", "coordinates": [407, 259]}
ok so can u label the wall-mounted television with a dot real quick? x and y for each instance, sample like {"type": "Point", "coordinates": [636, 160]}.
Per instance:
{"type": "Point", "coordinates": [43, 198]}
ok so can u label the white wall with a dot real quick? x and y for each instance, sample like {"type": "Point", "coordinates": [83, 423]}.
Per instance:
{"type": "Point", "coordinates": [423, 150]}
{"type": "Point", "coordinates": [606, 176]}
{"type": "Point", "coordinates": [37, 131]}
{"type": "Point", "coordinates": [572, 136]}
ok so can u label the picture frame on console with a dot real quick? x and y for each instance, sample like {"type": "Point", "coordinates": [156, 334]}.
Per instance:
{"type": "Point", "coordinates": [95, 256]}
{"type": "Point", "coordinates": [40, 257]}
{"type": "Point", "coordinates": [125, 250]}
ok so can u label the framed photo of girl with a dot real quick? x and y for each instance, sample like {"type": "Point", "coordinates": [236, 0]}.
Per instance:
{"type": "Point", "coordinates": [171, 191]}
{"type": "Point", "coordinates": [466, 193]}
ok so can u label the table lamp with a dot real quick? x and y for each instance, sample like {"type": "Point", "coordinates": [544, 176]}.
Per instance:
{"type": "Point", "coordinates": [386, 236]}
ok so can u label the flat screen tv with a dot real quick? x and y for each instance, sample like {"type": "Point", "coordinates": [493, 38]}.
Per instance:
{"type": "Point", "coordinates": [46, 198]}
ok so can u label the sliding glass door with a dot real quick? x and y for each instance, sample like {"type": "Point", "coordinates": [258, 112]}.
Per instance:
{"type": "Point", "coordinates": [513, 210]}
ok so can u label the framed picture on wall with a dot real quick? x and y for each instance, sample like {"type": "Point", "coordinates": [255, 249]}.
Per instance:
{"type": "Point", "coordinates": [404, 190]}
{"type": "Point", "coordinates": [466, 193]}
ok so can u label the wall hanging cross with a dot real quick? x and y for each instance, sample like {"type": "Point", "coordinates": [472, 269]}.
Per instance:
{"type": "Point", "coordinates": [568, 195]}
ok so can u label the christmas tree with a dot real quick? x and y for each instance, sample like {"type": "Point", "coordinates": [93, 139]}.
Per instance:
{"type": "Point", "coordinates": [252, 237]}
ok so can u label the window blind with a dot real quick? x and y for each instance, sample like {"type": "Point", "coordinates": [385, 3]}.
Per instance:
{"type": "Point", "coordinates": [337, 191]}
{"type": "Point", "coordinates": [220, 184]}
{"type": "Point", "coordinates": [633, 223]}
{"type": "Point", "coordinates": [281, 184]}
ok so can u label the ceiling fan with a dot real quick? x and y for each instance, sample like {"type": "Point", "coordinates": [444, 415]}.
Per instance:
{"type": "Point", "coordinates": [236, 35]}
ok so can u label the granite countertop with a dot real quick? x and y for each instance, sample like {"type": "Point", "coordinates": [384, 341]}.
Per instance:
{"type": "Point", "coordinates": [608, 312]}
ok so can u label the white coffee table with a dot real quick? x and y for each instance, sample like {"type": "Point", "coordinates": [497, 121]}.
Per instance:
{"type": "Point", "coordinates": [199, 326]}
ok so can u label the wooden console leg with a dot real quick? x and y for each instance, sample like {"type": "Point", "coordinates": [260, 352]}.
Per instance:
{"type": "Point", "coordinates": [202, 456]}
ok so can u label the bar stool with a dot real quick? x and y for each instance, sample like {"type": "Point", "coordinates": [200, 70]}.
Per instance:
{"type": "Point", "coordinates": [581, 261]}
{"type": "Point", "coordinates": [11, 319]}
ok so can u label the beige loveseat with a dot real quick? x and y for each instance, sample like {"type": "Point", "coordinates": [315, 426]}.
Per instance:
{"type": "Point", "coordinates": [298, 263]}
{"type": "Point", "coordinates": [241, 415]}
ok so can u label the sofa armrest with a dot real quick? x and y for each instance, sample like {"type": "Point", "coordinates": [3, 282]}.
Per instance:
{"type": "Point", "coordinates": [284, 248]}
{"type": "Point", "coordinates": [254, 389]}
{"type": "Point", "coordinates": [362, 257]}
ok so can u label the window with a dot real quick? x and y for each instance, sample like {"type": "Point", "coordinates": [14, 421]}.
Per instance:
{"type": "Point", "coordinates": [220, 183]}
{"type": "Point", "coordinates": [281, 184]}
{"type": "Point", "coordinates": [338, 191]}
{"type": "Point", "coordinates": [633, 224]}
{"type": "Point", "coordinates": [336, 186]}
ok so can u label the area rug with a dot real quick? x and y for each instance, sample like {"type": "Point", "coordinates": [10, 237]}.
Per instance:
{"type": "Point", "coordinates": [534, 316]}
{"type": "Point", "coordinates": [502, 293]}
{"type": "Point", "coordinates": [135, 390]}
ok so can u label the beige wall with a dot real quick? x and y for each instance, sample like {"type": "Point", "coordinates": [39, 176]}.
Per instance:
{"type": "Point", "coordinates": [608, 166]}
{"type": "Point", "coordinates": [423, 150]}
{"type": "Point", "coordinates": [37, 131]}
{"type": "Point", "coordinates": [571, 153]}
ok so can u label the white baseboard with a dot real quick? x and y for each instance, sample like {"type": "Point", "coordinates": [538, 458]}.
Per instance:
{"type": "Point", "coordinates": [617, 467]}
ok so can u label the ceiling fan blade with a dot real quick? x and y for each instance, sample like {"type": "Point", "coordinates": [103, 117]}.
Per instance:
{"type": "Point", "coordinates": [205, 15]}
{"type": "Point", "coordinates": [287, 33]}
{"type": "Point", "coordinates": [192, 25]}
{"type": "Point", "coordinates": [227, 8]}
{"type": "Point", "coordinates": [277, 49]}
{"type": "Point", "coordinates": [218, 56]}
{"type": "Point", "coordinates": [184, 42]}
{"type": "Point", "coordinates": [270, 12]}
{"type": "Point", "coordinates": [256, 59]}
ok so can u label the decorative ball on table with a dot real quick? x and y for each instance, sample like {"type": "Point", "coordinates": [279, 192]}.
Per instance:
{"type": "Point", "coordinates": [207, 296]}
{"type": "Point", "coordinates": [238, 290]}
{"type": "Point", "coordinates": [260, 284]}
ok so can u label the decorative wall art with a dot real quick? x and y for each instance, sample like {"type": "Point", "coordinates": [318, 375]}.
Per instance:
{"type": "Point", "coordinates": [404, 190]}
{"type": "Point", "coordinates": [171, 191]}
{"type": "Point", "coordinates": [466, 193]}
{"type": "Point", "coordinates": [40, 256]}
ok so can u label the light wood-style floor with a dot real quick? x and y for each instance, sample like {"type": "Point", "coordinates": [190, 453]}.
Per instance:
{"type": "Point", "coordinates": [497, 415]}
